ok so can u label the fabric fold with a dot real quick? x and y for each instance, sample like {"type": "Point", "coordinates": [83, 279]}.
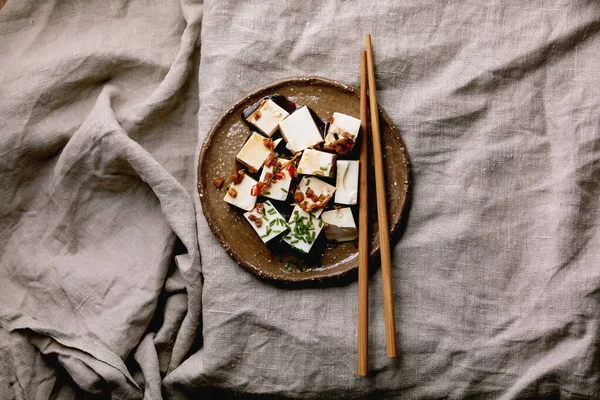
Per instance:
{"type": "Point", "coordinates": [98, 224]}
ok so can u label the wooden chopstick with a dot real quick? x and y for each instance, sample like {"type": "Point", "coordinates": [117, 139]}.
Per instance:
{"type": "Point", "coordinates": [363, 229]}
{"type": "Point", "coordinates": [384, 233]}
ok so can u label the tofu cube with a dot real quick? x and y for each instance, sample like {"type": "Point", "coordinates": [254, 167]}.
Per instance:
{"type": "Point", "coordinates": [267, 222]}
{"type": "Point", "coordinates": [340, 225]}
{"type": "Point", "coordinates": [300, 131]}
{"type": "Point", "coordinates": [304, 230]}
{"type": "Point", "coordinates": [315, 162]}
{"type": "Point", "coordinates": [279, 187]}
{"type": "Point", "coordinates": [342, 132]}
{"type": "Point", "coordinates": [318, 196]}
{"type": "Point", "coordinates": [239, 194]}
{"type": "Point", "coordinates": [255, 152]}
{"type": "Point", "coordinates": [267, 117]}
{"type": "Point", "coordinates": [346, 184]}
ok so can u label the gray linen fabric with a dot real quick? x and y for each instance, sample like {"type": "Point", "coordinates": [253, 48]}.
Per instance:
{"type": "Point", "coordinates": [496, 277]}
{"type": "Point", "coordinates": [498, 273]}
{"type": "Point", "coordinates": [98, 245]}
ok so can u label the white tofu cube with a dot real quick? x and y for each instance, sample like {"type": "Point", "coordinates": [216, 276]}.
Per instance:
{"type": "Point", "coordinates": [304, 230]}
{"type": "Point", "coordinates": [268, 224]}
{"type": "Point", "coordinates": [342, 132]}
{"type": "Point", "coordinates": [300, 131]}
{"type": "Point", "coordinates": [267, 117]}
{"type": "Point", "coordinates": [243, 198]}
{"type": "Point", "coordinates": [315, 162]}
{"type": "Point", "coordinates": [280, 187]}
{"type": "Point", "coordinates": [346, 184]}
{"type": "Point", "coordinates": [340, 225]}
{"type": "Point", "coordinates": [319, 189]}
{"type": "Point", "coordinates": [255, 152]}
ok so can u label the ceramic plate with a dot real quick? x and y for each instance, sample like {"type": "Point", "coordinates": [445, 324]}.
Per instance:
{"type": "Point", "coordinates": [217, 158]}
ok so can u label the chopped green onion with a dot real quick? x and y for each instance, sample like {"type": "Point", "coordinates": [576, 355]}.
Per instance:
{"type": "Point", "coordinates": [271, 211]}
{"type": "Point", "coordinates": [300, 238]}
{"type": "Point", "coordinates": [323, 168]}
{"type": "Point", "coordinates": [287, 266]}
{"type": "Point", "coordinates": [266, 192]}
{"type": "Point", "coordinates": [308, 182]}
{"type": "Point", "coordinates": [283, 190]}
{"type": "Point", "coordinates": [320, 222]}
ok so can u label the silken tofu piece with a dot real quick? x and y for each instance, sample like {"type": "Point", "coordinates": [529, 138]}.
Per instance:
{"type": "Point", "coordinates": [340, 225]}
{"type": "Point", "coordinates": [300, 131]}
{"type": "Point", "coordinates": [267, 222]}
{"type": "Point", "coordinates": [342, 132]}
{"type": "Point", "coordinates": [239, 194]}
{"type": "Point", "coordinates": [313, 195]}
{"type": "Point", "coordinates": [267, 117]}
{"type": "Point", "coordinates": [315, 162]}
{"type": "Point", "coordinates": [346, 184]}
{"type": "Point", "coordinates": [280, 182]}
{"type": "Point", "coordinates": [255, 151]}
{"type": "Point", "coordinates": [304, 230]}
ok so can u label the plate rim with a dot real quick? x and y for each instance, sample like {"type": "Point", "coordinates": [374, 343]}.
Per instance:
{"type": "Point", "coordinates": [201, 188]}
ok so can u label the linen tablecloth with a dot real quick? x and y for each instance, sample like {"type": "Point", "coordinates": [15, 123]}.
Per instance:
{"type": "Point", "coordinates": [112, 283]}
{"type": "Point", "coordinates": [100, 269]}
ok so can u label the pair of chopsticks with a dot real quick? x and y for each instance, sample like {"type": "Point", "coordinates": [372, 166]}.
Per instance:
{"type": "Point", "coordinates": [367, 72]}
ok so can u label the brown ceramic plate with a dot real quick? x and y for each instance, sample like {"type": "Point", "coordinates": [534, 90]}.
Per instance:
{"type": "Point", "coordinates": [217, 157]}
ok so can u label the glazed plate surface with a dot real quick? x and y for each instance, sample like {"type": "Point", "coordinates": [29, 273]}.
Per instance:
{"type": "Point", "coordinates": [217, 158]}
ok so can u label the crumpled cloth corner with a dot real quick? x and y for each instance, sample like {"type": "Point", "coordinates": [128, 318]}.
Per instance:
{"type": "Point", "coordinates": [101, 285]}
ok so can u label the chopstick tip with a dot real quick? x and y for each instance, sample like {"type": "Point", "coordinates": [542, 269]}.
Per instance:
{"type": "Point", "coordinates": [368, 41]}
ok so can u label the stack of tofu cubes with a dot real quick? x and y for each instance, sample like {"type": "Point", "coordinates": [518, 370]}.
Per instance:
{"type": "Point", "coordinates": [300, 129]}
